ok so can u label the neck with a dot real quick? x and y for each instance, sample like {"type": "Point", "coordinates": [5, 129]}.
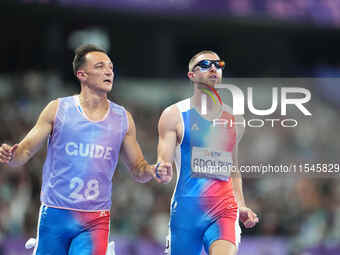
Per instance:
{"type": "Point", "coordinates": [92, 99]}
{"type": "Point", "coordinates": [205, 100]}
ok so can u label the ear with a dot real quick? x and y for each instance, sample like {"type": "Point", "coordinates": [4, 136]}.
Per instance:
{"type": "Point", "coordinates": [81, 74]}
{"type": "Point", "coordinates": [191, 75]}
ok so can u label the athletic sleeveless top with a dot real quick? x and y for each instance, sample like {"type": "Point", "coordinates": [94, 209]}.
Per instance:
{"type": "Point", "coordinates": [82, 156]}
{"type": "Point", "coordinates": [205, 145]}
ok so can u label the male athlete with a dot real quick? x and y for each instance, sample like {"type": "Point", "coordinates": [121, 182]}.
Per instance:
{"type": "Point", "coordinates": [86, 133]}
{"type": "Point", "coordinates": [198, 134]}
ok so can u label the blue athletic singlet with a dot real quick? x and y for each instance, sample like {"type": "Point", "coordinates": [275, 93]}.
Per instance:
{"type": "Point", "coordinates": [77, 180]}
{"type": "Point", "coordinates": [203, 206]}
{"type": "Point", "coordinates": [82, 156]}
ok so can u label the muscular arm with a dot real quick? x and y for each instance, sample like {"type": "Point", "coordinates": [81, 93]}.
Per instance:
{"type": "Point", "coordinates": [168, 135]}
{"type": "Point", "coordinates": [133, 156]}
{"type": "Point", "coordinates": [33, 141]}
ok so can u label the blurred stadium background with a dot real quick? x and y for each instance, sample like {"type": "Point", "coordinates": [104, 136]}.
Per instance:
{"type": "Point", "coordinates": [150, 43]}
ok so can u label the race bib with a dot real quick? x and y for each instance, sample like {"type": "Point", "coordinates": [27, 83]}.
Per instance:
{"type": "Point", "coordinates": [211, 163]}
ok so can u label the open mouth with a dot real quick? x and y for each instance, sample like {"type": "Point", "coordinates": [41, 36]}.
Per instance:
{"type": "Point", "coordinates": [108, 81]}
{"type": "Point", "coordinates": [213, 76]}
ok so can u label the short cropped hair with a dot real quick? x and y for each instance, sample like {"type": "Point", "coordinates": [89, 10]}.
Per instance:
{"type": "Point", "coordinates": [80, 54]}
{"type": "Point", "coordinates": [192, 60]}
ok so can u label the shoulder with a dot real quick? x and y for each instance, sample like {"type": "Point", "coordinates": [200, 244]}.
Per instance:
{"type": "Point", "coordinates": [117, 108]}
{"type": "Point", "coordinates": [183, 105]}
{"type": "Point", "coordinates": [172, 113]}
{"type": "Point", "coordinates": [170, 117]}
{"type": "Point", "coordinates": [65, 103]}
{"type": "Point", "coordinates": [49, 112]}
{"type": "Point", "coordinates": [129, 116]}
{"type": "Point", "coordinates": [68, 99]}
{"type": "Point", "coordinates": [131, 127]}
{"type": "Point", "coordinates": [52, 106]}
{"type": "Point", "coordinates": [176, 109]}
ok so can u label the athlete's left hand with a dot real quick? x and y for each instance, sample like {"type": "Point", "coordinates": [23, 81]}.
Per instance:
{"type": "Point", "coordinates": [248, 217]}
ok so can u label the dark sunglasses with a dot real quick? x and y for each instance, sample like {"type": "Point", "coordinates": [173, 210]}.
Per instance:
{"type": "Point", "coordinates": [206, 64]}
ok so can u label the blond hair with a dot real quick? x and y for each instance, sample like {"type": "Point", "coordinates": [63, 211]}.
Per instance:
{"type": "Point", "coordinates": [193, 59]}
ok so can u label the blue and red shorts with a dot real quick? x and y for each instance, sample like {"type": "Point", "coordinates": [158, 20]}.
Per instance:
{"type": "Point", "coordinates": [69, 232]}
{"type": "Point", "coordinates": [197, 223]}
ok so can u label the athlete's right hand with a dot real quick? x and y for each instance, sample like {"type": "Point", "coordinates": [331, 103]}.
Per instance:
{"type": "Point", "coordinates": [7, 153]}
{"type": "Point", "coordinates": [163, 172]}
